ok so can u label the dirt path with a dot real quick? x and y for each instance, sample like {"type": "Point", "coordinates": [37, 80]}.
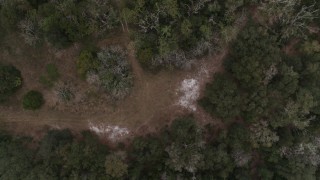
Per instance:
{"type": "Point", "coordinates": [153, 102]}
{"type": "Point", "coordinates": [151, 98]}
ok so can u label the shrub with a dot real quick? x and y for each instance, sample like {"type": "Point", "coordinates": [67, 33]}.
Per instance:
{"type": "Point", "coordinates": [65, 93]}
{"type": "Point", "coordinates": [86, 62]}
{"type": "Point", "coordinates": [145, 56]}
{"type": "Point", "coordinates": [33, 100]}
{"type": "Point", "coordinates": [10, 81]}
{"type": "Point", "coordinates": [114, 71]}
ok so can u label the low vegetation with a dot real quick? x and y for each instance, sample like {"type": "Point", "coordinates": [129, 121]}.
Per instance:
{"type": "Point", "coordinates": [107, 68]}
{"type": "Point", "coordinates": [51, 76]}
{"type": "Point", "coordinates": [32, 100]}
{"type": "Point", "coordinates": [10, 80]}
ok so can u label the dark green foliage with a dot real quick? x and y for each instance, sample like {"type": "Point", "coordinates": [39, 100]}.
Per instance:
{"type": "Point", "coordinates": [11, 12]}
{"type": "Point", "coordinates": [172, 29]}
{"type": "Point", "coordinates": [222, 98]}
{"type": "Point", "coordinates": [186, 149]}
{"type": "Point", "coordinates": [145, 57]}
{"type": "Point", "coordinates": [238, 137]}
{"type": "Point", "coordinates": [15, 158]}
{"type": "Point", "coordinates": [58, 156]}
{"type": "Point", "coordinates": [148, 158]}
{"type": "Point", "coordinates": [32, 100]}
{"type": "Point", "coordinates": [252, 67]}
{"type": "Point", "coordinates": [291, 169]}
{"type": "Point", "coordinates": [286, 136]}
{"type": "Point", "coordinates": [279, 105]}
{"type": "Point", "coordinates": [36, 3]}
{"type": "Point", "coordinates": [254, 52]}
{"type": "Point", "coordinates": [255, 104]}
{"type": "Point", "coordinates": [114, 71]}
{"type": "Point", "coordinates": [10, 80]}
{"type": "Point", "coordinates": [310, 77]}
{"type": "Point", "coordinates": [267, 84]}
{"type": "Point", "coordinates": [218, 161]}
{"type": "Point", "coordinates": [53, 141]}
{"type": "Point", "coordinates": [285, 83]}
{"type": "Point", "coordinates": [87, 62]}
{"type": "Point", "coordinates": [59, 22]}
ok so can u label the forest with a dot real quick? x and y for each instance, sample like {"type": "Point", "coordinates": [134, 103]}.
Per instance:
{"type": "Point", "coordinates": [266, 98]}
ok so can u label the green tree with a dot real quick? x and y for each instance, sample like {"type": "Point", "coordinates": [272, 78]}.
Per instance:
{"type": "Point", "coordinates": [222, 98]}
{"type": "Point", "coordinates": [185, 152]}
{"type": "Point", "coordinates": [171, 7]}
{"type": "Point", "coordinates": [115, 165]}
{"type": "Point", "coordinates": [253, 54]}
{"type": "Point", "coordinates": [148, 154]}
{"type": "Point", "coordinates": [11, 12]}
{"type": "Point", "coordinates": [15, 157]}
{"type": "Point", "coordinates": [310, 47]}
{"type": "Point", "coordinates": [218, 161]}
{"type": "Point", "coordinates": [186, 27]}
{"type": "Point", "coordinates": [262, 135]}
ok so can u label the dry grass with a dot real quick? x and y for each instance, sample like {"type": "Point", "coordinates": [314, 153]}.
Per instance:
{"type": "Point", "coordinates": [151, 96]}
{"type": "Point", "coordinates": [151, 104]}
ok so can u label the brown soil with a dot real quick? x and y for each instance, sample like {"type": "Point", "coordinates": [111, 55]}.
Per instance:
{"type": "Point", "coordinates": [152, 96]}
{"type": "Point", "coordinates": [151, 104]}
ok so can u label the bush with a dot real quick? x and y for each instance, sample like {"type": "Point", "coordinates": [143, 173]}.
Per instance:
{"type": "Point", "coordinates": [65, 93]}
{"type": "Point", "coordinates": [33, 100]}
{"type": "Point", "coordinates": [86, 62]}
{"type": "Point", "coordinates": [10, 81]}
{"type": "Point", "coordinates": [114, 71]}
{"type": "Point", "coordinates": [145, 56]}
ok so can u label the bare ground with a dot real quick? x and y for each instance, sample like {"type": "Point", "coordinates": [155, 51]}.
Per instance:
{"type": "Point", "coordinates": [150, 106]}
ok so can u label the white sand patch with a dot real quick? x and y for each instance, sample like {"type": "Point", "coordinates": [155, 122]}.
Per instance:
{"type": "Point", "coordinates": [113, 133]}
{"type": "Point", "coordinates": [190, 92]}
{"type": "Point", "coordinates": [190, 89]}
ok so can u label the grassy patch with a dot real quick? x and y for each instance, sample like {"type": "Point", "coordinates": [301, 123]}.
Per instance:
{"type": "Point", "coordinates": [50, 77]}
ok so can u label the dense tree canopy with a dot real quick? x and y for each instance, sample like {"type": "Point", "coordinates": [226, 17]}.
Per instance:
{"type": "Point", "coordinates": [275, 97]}
{"type": "Point", "coordinates": [173, 32]}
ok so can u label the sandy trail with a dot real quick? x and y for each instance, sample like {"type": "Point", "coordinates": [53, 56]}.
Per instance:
{"type": "Point", "coordinates": [153, 102]}
{"type": "Point", "coordinates": [151, 97]}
